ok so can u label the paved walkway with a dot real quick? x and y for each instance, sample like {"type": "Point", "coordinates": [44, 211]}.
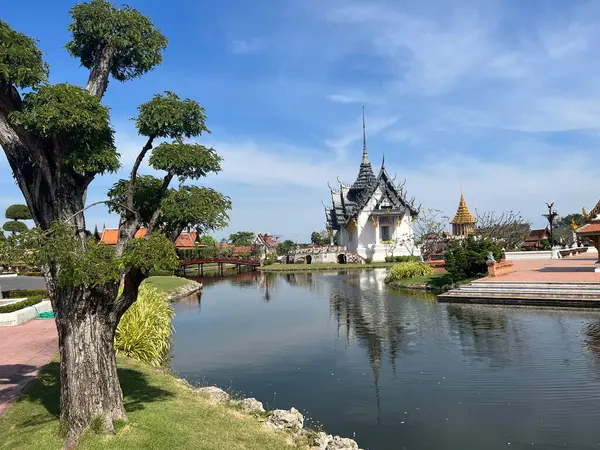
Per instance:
{"type": "Point", "coordinates": [573, 269]}
{"type": "Point", "coordinates": [23, 350]}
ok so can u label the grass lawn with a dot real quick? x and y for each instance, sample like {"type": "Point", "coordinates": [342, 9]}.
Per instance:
{"type": "Point", "coordinates": [162, 414]}
{"type": "Point", "coordinates": [437, 281]}
{"type": "Point", "coordinates": [322, 266]}
{"type": "Point", "coordinates": [166, 283]}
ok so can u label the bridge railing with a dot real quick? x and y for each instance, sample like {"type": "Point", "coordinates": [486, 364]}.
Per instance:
{"type": "Point", "coordinates": [237, 261]}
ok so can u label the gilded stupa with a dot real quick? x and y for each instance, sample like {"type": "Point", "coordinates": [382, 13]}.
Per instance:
{"type": "Point", "coordinates": [463, 222]}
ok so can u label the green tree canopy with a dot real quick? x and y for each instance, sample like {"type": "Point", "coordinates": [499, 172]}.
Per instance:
{"type": "Point", "coordinates": [206, 239]}
{"type": "Point", "coordinates": [285, 247]}
{"type": "Point", "coordinates": [241, 238]}
{"type": "Point", "coordinates": [319, 238]}
{"type": "Point", "coordinates": [189, 207]}
{"type": "Point", "coordinates": [17, 212]}
{"type": "Point", "coordinates": [21, 61]}
{"type": "Point", "coordinates": [122, 39]}
{"type": "Point", "coordinates": [14, 226]}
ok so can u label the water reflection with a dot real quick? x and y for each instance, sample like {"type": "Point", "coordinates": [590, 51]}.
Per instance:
{"type": "Point", "coordinates": [395, 367]}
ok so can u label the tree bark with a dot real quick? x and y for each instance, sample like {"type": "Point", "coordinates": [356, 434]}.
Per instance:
{"type": "Point", "coordinates": [98, 79]}
{"type": "Point", "coordinates": [89, 384]}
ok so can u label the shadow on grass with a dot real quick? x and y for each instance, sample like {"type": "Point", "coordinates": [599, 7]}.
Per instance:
{"type": "Point", "coordinates": [45, 390]}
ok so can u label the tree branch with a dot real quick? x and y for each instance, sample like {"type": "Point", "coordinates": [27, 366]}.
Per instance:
{"type": "Point", "coordinates": [134, 171]}
{"type": "Point", "coordinates": [161, 193]}
{"type": "Point", "coordinates": [98, 79]}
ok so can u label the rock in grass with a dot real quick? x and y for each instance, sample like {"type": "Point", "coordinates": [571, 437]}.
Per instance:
{"type": "Point", "coordinates": [321, 441]}
{"type": "Point", "coordinates": [281, 419]}
{"type": "Point", "coordinates": [250, 405]}
{"type": "Point", "coordinates": [340, 443]}
{"type": "Point", "coordinates": [215, 394]}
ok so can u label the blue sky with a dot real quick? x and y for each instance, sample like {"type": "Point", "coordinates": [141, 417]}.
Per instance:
{"type": "Point", "coordinates": [502, 96]}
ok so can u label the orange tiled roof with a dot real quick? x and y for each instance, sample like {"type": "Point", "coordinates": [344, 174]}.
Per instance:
{"type": "Point", "coordinates": [590, 228]}
{"type": "Point", "coordinates": [111, 235]}
{"type": "Point", "coordinates": [240, 250]}
{"type": "Point", "coordinates": [186, 240]}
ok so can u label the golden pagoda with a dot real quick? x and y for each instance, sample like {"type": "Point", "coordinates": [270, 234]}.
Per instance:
{"type": "Point", "coordinates": [463, 222]}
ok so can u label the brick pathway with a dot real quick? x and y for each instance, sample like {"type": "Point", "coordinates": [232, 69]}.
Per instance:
{"type": "Point", "coordinates": [23, 350]}
{"type": "Point", "coordinates": [574, 269]}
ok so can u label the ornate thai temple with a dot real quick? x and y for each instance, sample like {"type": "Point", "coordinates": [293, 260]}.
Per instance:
{"type": "Point", "coordinates": [372, 217]}
{"type": "Point", "coordinates": [463, 223]}
{"type": "Point", "coordinates": [591, 229]}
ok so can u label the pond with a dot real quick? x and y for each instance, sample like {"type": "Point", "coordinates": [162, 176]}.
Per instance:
{"type": "Point", "coordinates": [397, 370]}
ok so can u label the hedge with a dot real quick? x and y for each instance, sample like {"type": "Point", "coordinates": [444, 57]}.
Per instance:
{"type": "Point", "coordinates": [25, 293]}
{"type": "Point", "coordinates": [20, 305]}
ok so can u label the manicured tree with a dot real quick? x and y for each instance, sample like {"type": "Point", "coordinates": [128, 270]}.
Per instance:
{"type": "Point", "coordinates": [57, 139]}
{"type": "Point", "coordinates": [14, 226]}
{"type": "Point", "coordinates": [16, 213]}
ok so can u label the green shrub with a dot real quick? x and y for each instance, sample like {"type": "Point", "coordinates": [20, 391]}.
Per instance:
{"type": "Point", "coordinates": [20, 305]}
{"type": "Point", "coordinates": [406, 258]}
{"type": "Point", "coordinates": [269, 260]}
{"type": "Point", "coordinates": [144, 332]}
{"type": "Point", "coordinates": [466, 258]}
{"type": "Point", "coordinates": [406, 270]}
{"type": "Point", "coordinates": [25, 293]}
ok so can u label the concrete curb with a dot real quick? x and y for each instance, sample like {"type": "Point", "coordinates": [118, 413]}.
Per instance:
{"type": "Point", "coordinates": [24, 315]}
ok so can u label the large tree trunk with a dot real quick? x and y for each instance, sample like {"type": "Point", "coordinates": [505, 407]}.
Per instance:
{"type": "Point", "coordinates": [86, 321]}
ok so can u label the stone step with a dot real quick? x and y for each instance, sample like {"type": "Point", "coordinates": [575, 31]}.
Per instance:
{"type": "Point", "coordinates": [536, 284]}
{"type": "Point", "coordinates": [520, 294]}
{"type": "Point", "coordinates": [528, 289]}
{"type": "Point", "coordinates": [523, 301]}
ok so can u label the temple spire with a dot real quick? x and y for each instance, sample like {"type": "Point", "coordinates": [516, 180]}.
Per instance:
{"type": "Point", "coordinates": [365, 157]}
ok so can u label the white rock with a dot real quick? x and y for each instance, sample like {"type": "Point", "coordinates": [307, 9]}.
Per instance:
{"type": "Point", "coordinates": [340, 443]}
{"type": "Point", "coordinates": [282, 419]}
{"type": "Point", "coordinates": [322, 440]}
{"type": "Point", "coordinates": [216, 394]}
{"type": "Point", "coordinates": [250, 405]}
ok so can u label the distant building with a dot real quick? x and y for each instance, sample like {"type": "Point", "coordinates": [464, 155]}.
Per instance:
{"type": "Point", "coordinates": [110, 236]}
{"type": "Point", "coordinates": [591, 230]}
{"type": "Point", "coordinates": [535, 238]}
{"type": "Point", "coordinates": [463, 223]}
{"type": "Point", "coordinates": [265, 244]}
{"type": "Point", "coordinates": [372, 216]}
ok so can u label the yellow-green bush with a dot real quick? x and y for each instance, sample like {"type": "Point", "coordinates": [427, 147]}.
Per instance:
{"type": "Point", "coordinates": [406, 270]}
{"type": "Point", "coordinates": [144, 332]}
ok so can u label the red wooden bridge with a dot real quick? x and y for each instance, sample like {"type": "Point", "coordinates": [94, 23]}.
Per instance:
{"type": "Point", "coordinates": [199, 262]}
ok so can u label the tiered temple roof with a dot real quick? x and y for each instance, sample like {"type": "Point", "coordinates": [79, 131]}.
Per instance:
{"type": "Point", "coordinates": [349, 201]}
{"type": "Point", "coordinates": [463, 215]}
{"type": "Point", "coordinates": [592, 225]}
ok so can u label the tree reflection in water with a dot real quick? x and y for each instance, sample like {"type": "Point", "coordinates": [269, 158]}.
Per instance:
{"type": "Point", "coordinates": [486, 332]}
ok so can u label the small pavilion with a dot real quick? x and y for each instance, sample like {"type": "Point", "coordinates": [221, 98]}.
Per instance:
{"type": "Point", "coordinates": [463, 223]}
